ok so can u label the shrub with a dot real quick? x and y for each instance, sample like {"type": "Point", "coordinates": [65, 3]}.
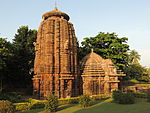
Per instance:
{"type": "Point", "coordinates": [72, 100]}
{"type": "Point", "coordinates": [84, 100]}
{"type": "Point", "coordinates": [52, 103]}
{"type": "Point", "coordinates": [31, 104]}
{"type": "Point", "coordinates": [123, 97]}
{"type": "Point", "coordinates": [6, 107]}
{"type": "Point", "coordinates": [96, 97]}
{"type": "Point", "coordinates": [140, 95]}
{"type": "Point", "coordinates": [37, 105]}
{"type": "Point", "coordinates": [117, 96]}
{"type": "Point", "coordinates": [134, 81]}
{"type": "Point", "coordinates": [145, 78]}
{"type": "Point", "coordinates": [22, 106]}
{"type": "Point", "coordinates": [12, 97]}
{"type": "Point", "coordinates": [63, 101]}
{"type": "Point", "coordinates": [99, 97]}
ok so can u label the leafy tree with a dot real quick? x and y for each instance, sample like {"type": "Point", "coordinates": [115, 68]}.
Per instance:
{"type": "Point", "coordinates": [108, 45]}
{"type": "Point", "coordinates": [5, 57]}
{"type": "Point", "coordinates": [134, 71]}
{"type": "Point", "coordinates": [134, 57]}
{"type": "Point", "coordinates": [23, 55]}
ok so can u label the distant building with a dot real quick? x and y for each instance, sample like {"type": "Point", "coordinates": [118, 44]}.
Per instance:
{"type": "Point", "coordinates": [56, 69]}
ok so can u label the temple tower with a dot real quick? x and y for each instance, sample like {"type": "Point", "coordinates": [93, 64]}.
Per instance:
{"type": "Point", "coordinates": [55, 65]}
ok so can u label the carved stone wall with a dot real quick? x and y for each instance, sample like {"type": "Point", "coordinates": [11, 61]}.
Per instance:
{"type": "Point", "coordinates": [55, 66]}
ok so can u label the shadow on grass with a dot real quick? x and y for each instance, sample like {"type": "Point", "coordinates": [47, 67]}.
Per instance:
{"type": "Point", "coordinates": [66, 106]}
{"type": "Point", "coordinates": [31, 111]}
{"type": "Point", "coordinates": [97, 102]}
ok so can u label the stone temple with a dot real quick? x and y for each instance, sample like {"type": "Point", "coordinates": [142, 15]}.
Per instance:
{"type": "Point", "coordinates": [56, 68]}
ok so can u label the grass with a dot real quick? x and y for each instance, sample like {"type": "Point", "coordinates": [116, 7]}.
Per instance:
{"type": "Point", "coordinates": [148, 84]}
{"type": "Point", "coordinates": [141, 106]}
{"type": "Point", "coordinates": [32, 111]}
{"type": "Point", "coordinates": [136, 82]}
{"type": "Point", "coordinates": [105, 106]}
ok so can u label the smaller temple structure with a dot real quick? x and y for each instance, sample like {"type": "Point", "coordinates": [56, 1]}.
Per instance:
{"type": "Point", "coordinates": [99, 75]}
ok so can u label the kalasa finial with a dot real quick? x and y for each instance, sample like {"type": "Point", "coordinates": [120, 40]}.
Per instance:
{"type": "Point", "coordinates": [56, 6]}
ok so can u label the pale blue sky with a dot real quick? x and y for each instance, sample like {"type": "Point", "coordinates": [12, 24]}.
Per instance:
{"type": "Point", "coordinates": [129, 18]}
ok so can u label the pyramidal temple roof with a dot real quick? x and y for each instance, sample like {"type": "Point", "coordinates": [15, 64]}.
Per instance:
{"type": "Point", "coordinates": [56, 13]}
{"type": "Point", "coordinates": [92, 64]}
{"type": "Point", "coordinates": [91, 58]}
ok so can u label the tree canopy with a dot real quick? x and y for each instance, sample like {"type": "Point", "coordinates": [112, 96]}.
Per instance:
{"type": "Point", "coordinates": [134, 71]}
{"type": "Point", "coordinates": [16, 59]}
{"type": "Point", "coordinates": [5, 58]}
{"type": "Point", "coordinates": [134, 57]}
{"type": "Point", "coordinates": [24, 53]}
{"type": "Point", "coordinates": [108, 45]}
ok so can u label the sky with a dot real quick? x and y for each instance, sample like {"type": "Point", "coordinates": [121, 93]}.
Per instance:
{"type": "Point", "coordinates": [127, 18]}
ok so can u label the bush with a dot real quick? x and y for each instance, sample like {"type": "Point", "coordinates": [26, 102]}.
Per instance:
{"type": "Point", "coordinates": [96, 97]}
{"type": "Point", "coordinates": [37, 105]}
{"type": "Point", "coordinates": [99, 97]}
{"type": "Point", "coordinates": [84, 100]}
{"type": "Point", "coordinates": [124, 97]}
{"type": "Point", "coordinates": [140, 95]}
{"type": "Point", "coordinates": [31, 104]}
{"type": "Point", "coordinates": [52, 103]}
{"type": "Point", "coordinates": [12, 97]}
{"type": "Point", "coordinates": [22, 106]}
{"type": "Point", "coordinates": [6, 107]}
{"type": "Point", "coordinates": [117, 96]}
{"type": "Point", "coordinates": [134, 81]}
{"type": "Point", "coordinates": [145, 78]}
{"type": "Point", "coordinates": [73, 100]}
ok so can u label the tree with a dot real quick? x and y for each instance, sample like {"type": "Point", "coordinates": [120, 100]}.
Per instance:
{"type": "Point", "coordinates": [108, 45]}
{"type": "Point", "coordinates": [134, 71]}
{"type": "Point", "coordinates": [5, 57]}
{"type": "Point", "coordinates": [23, 55]}
{"type": "Point", "coordinates": [134, 57]}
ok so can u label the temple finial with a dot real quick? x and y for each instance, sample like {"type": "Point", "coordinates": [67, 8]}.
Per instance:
{"type": "Point", "coordinates": [56, 6]}
{"type": "Point", "coordinates": [92, 50]}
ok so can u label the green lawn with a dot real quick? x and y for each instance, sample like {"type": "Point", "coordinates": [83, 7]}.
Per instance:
{"type": "Point", "coordinates": [141, 106]}
{"type": "Point", "coordinates": [32, 111]}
